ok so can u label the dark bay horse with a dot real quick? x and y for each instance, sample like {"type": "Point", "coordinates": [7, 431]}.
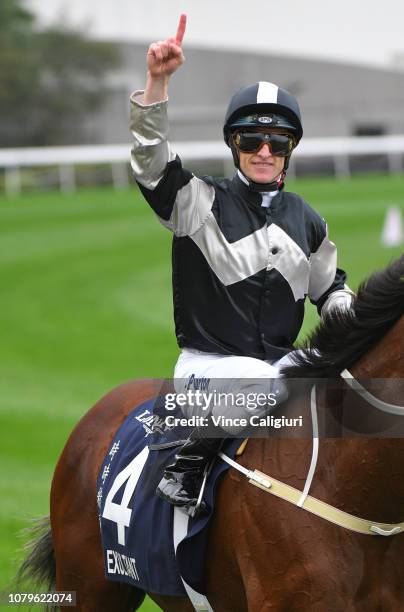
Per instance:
{"type": "Point", "coordinates": [264, 553]}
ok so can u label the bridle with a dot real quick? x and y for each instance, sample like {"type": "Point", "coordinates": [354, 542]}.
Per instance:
{"type": "Point", "coordinates": [306, 501]}
{"type": "Point", "coordinates": [374, 401]}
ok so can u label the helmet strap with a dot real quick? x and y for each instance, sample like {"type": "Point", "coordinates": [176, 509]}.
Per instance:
{"type": "Point", "coordinates": [234, 152]}
{"type": "Point", "coordinates": [273, 186]}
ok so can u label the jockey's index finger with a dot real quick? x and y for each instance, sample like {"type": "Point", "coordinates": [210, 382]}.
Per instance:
{"type": "Point", "coordinates": [181, 29]}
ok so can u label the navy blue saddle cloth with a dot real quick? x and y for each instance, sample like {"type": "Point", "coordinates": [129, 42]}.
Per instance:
{"type": "Point", "coordinates": [147, 543]}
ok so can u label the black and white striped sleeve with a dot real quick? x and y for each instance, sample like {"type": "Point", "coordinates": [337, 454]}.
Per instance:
{"type": "Point", "coordinates": [325, 278]}
{"type": "Point", "coordinates": [181, 200]}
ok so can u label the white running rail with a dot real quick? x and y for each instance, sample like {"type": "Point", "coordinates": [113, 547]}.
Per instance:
{"type": "Point", "coordinates": [66, 158]}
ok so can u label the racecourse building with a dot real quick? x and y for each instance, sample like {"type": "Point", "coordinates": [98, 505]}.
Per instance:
{"type": "Point", "coordinates": [336, 99]}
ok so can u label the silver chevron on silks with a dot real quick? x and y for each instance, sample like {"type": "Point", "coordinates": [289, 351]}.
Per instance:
{"type": "Point", "coordinates": [234, 262]}
{"type": "Point", "coordinates": [290, 261]}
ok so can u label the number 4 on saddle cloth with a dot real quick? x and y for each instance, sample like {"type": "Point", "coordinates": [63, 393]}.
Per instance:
{"type": "Point", "coordinates": [146, 541]}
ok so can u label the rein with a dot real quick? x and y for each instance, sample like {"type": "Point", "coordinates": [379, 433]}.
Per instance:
{"type": "Point", "coordinates": [301, 498]}
{"type": "Point", "coordinates": [376, 403]}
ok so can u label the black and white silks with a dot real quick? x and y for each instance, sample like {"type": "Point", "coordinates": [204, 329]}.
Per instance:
{"type": "Point", "coordinates": [241, 272]}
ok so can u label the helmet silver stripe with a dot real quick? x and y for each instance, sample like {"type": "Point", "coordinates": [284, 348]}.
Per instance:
{"type": "Point", "coordinates": [267, 93]}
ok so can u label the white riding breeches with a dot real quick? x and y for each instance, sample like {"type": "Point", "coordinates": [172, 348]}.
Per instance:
{"type": "Point", "coordinates": [227, 374]}
{"type": "Point", "coordinates": [213, 365]}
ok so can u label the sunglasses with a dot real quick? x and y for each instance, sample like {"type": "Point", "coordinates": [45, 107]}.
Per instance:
{"type": "Point", "coordinates": [251, 142]}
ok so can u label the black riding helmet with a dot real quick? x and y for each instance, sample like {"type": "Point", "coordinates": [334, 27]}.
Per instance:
{"type": "Point", "coordinates": [262, 105]}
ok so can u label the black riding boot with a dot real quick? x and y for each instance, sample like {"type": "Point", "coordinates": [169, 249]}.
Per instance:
{"type": "Point", "coordinates": [182, 480]}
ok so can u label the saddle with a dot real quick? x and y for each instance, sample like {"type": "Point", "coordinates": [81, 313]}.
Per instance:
{"type": "Point", "coordinates": [146, 541]}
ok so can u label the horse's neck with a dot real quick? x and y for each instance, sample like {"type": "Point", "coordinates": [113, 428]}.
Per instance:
{"type": "Point", "coordinates": [368, 472]}
{"type": "Point", "coordinates": [363, 476]}
{"type": "Point", "coordinates": [386, 358]}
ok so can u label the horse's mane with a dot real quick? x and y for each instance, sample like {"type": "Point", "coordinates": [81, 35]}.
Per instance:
{"type": "Point", "coordinates": [341, 338]}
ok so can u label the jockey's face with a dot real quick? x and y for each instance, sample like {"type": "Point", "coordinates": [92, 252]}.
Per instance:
{"type": "Point", "coordinates": [262, 166]}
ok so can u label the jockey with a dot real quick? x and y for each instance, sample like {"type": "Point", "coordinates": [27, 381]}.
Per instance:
{"type": "Point", "coordinates": [246, 253]}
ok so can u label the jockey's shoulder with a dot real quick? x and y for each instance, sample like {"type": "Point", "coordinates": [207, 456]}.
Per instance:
{"type": "Point", "coordinates": [217, 182]}
{"type": "Point", "coordinates": [296, 199]}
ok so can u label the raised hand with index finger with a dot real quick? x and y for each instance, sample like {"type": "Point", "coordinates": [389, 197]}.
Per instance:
{"type": "Point", "coordinates": [166, 56]}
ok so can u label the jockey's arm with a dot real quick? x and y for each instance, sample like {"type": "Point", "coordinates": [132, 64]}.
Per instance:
{"type": "Point", "coordinates": [327, 286]}
{"type": "Point", "coordinates": [181, 200]}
